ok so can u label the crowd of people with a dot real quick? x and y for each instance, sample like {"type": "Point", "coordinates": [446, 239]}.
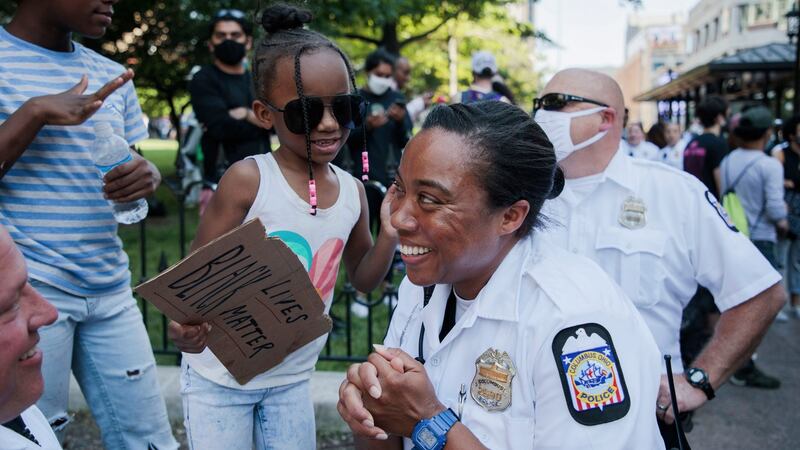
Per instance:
{"type": "Point", "coordinates": [553, 256]}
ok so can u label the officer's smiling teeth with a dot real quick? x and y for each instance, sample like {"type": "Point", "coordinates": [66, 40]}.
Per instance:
{"type": "Point", "coordinates": [411, 250]}
{"type": "Point", "coordinates": [28, 355]}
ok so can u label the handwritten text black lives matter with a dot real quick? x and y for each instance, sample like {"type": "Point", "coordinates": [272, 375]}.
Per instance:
{"type": "Point", "coordinates": [207, 289]}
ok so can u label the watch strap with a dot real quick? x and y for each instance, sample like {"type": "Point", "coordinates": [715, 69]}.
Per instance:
{"type": "Point", "coordinates": [445, 419]}
{"type": "Point", "coordinates": [439, 424]}
{"type": "Point", "coordinates": [704, 385]}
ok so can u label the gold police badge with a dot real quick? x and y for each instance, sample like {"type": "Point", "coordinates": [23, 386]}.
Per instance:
{"type": "Point", "coordinates": [491, 386]}
{"type": "Point", "coordinates": [632, 214]}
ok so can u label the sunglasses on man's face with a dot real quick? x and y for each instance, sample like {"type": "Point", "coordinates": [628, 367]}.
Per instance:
{"type": "Point", "coordinates": [348, 109]}
{"type": "Point", "coordinates": [556, 102]}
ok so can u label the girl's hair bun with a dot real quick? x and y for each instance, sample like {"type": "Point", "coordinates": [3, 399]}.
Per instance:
{"type": "Point", "coordinates": [279, 17]}
{"type": "Point", "coordinates": [558, 183]}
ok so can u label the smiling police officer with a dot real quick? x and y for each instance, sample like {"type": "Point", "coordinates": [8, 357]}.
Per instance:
{"type": "Point", "coordinates": [514, 343]}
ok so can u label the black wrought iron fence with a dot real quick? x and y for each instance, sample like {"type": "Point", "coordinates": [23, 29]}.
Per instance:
{"type": "Point", "coordinates": [359, 320]}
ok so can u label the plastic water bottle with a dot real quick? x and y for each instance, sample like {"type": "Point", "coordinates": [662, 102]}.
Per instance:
{"type": "Point", "coordinates": [109, 151]}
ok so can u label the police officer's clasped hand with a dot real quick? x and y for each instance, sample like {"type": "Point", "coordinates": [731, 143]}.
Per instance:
{"type": "Point", "coordinates": [395, 392]}
{"type": "Point", "coordinates": [689, 399]}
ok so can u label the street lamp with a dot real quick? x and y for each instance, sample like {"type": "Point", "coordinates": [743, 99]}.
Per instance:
{"type": "Point", "coordinates": [793, 31]}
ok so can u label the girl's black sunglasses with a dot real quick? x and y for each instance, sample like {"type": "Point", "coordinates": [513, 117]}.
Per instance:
{"type": "Point", "coordinates": [348, 109]}
{"type": "Point", "coordinates": [556, 101]}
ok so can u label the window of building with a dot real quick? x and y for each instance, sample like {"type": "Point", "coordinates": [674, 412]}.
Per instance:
{"type": "Point", "coordinates": [725, 24]}
{"type": "Point", "coordinates": [715, 30]}
{"type": "Point", "coordinates": [744, 12]}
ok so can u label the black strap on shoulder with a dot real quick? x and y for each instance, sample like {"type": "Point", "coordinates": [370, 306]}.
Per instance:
{"type": "Point", "coordinates": [427, 294]}
{"type": "Point", "coordinates": [449, 320]}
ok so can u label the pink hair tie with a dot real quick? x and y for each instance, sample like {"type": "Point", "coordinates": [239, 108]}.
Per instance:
{"type": "Point", "coordinates": [364, 166]}
{"type": "Point", "coordinates": [312, 196]}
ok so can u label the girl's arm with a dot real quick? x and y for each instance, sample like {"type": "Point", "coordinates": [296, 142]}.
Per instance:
{"type": "Point", "coordinates": [235, 194]}
{"type": "Point", "coordinates": [367, 264]}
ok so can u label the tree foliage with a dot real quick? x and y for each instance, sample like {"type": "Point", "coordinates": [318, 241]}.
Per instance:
{"type": "Point", "coordinates": [163, 39]}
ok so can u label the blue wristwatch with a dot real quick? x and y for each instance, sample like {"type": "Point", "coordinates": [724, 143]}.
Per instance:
{"type": "Point", "coordinates": [431, 434]}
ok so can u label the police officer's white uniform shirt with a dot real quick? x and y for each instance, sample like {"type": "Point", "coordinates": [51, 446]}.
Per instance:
{"type": "Point", "coordinates": [38, 426]}
{"type": "Point", "coordinates": [686, 239]}
{"type": "Point", "coordinates": [538, 292]}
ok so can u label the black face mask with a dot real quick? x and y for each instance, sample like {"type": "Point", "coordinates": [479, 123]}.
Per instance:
{"type": "Point", "coordinates": [229, 52]}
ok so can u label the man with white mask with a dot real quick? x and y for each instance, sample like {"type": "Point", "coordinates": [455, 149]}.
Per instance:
{"type": "Point", "coordinates": [388, 125]}
{"type": "Point", "coordinates": [657, 243]}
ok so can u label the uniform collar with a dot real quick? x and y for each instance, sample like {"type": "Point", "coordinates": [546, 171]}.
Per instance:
{"type": "Point", "coordinates": [620, 170]}
{"type": "Point", "coordinates": [498, 300]}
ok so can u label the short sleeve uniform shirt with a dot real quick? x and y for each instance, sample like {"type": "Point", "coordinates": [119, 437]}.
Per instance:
{"type": "Point", "coordinates": [585, 368]}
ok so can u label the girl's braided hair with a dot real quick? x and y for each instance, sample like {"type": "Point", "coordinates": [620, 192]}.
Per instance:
{"type": "Point", "coordinates": [286, 37]}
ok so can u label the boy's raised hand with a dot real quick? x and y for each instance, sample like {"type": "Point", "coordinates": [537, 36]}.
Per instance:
{"type": "Point", "coordinates": [73, 107]}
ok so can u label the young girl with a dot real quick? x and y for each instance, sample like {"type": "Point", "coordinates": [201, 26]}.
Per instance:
{"type": "Point", "coordinates": [305, 91]}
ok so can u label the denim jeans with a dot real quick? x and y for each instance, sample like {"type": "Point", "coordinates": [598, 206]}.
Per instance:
{"type": "Point", "coordinates": [103, 341]}
{"type": "Point", "coordinates": [221, 418]}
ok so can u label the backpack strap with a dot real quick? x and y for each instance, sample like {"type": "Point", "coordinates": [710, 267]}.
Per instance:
{"type": "Point", "coordinates": [732, 188]}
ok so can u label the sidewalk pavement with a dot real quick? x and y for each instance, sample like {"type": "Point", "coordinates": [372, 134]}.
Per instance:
{"type": "Point", "coordinates": [747, 418]}
{"type": "Point", "coordinates": [738, 418]}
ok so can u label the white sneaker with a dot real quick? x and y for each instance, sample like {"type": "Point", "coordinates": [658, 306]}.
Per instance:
{"type": "Point", "coordinates": [782, 316]}
{"type": "Point", "coordinates": [795, 310]}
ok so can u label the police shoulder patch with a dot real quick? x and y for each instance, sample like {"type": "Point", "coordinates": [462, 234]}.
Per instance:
{"type": "Point", "coordinates": [591, 374]}
{"type": "Point", "coordinates": [721, 211]}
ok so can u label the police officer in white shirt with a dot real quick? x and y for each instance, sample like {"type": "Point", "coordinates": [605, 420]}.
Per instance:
{"type": "Point", "coordinates": [658, 232]}
{"type": "Point", "coordinates": [637, 146]}
{"type": "Point", "coordinates": [515, 344]}
{"type": "Point", "coordinates": [22, 312]}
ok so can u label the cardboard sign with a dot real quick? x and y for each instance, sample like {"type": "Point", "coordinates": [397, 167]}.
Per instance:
{"type": "Point", "coordinates": [255, 293]}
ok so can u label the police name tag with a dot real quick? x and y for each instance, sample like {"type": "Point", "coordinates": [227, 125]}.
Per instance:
{"type": "Point", "coordinates": [632, 215]}
{"type": "Point", "coordinates": [591, 374]}
{"type": "Point", "coordinates": [491, 386]}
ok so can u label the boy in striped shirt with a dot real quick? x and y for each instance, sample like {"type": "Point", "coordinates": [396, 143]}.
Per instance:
{"type": "Point", "coordinates": [53, 203]}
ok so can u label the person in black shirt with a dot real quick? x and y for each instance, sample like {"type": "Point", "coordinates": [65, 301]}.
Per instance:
{"type": "Point", "coordinates": [704, 153]}
{"type": "Point", "coordinates": [222, 94]}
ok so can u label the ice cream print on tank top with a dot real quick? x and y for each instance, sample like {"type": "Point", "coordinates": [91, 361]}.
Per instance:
{"type": "Point", "coordinates": [323, 266]}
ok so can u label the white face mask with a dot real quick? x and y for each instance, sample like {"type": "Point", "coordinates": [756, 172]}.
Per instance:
{"type": "Point", "coordinates": [556, 125]}
{"type": "Point", "coordinates": [378, 85]}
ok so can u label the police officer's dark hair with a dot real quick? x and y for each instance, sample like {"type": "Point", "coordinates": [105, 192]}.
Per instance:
{"type": "Point", "coordinates": [709, 109]}
{"type": "Point", "coordinates": [286, 37]}
{"type": "Point", "coordinates": [377, 57]}
{"type": "Point", "coordinates": [513, 157]}
{"type": "Point", "coordinates": [790, 126]}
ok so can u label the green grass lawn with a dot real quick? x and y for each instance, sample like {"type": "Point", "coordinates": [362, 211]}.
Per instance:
{"type": "Point", "coordinates": [161, 240]}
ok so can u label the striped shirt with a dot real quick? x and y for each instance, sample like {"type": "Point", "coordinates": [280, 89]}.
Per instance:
{"type": "Point", "coordinates": [51, 200]}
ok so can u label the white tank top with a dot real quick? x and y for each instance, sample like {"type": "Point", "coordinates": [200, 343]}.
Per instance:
{"type": "Point", "coordinates": [318, 241]}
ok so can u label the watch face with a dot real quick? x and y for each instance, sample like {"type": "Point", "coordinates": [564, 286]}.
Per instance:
{"type": "Point", "coordinates": [697, 376]}
{"type": "Point", "coordinates": [427, 438]}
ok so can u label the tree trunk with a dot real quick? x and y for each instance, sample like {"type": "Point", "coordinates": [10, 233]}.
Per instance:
{"type": "Point", "coordinates": [389, 39]}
